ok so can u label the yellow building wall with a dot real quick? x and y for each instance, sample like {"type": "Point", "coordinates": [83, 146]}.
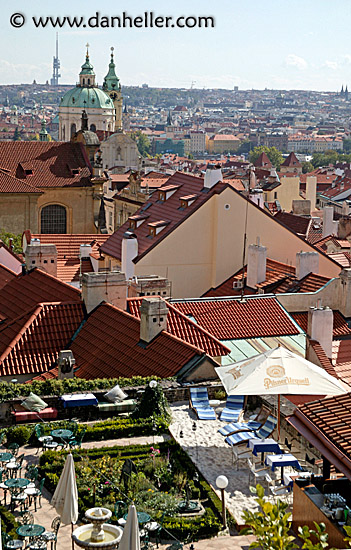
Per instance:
{"type": "Point", "coordinates": [207, 248]}
{"type": "Point", "coordinates": [19, 212]}
{"type": "Point", "coordinates": [288, 191]}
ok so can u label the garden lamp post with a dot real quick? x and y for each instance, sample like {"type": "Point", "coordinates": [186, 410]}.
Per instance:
{"type": "Point", "coordinates": [222, 483]}
{"type": "Point", "coordinates": [153, 384]}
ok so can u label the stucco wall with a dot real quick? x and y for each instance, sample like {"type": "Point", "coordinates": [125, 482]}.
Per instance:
{"type": "Point", "coordinates": [18, 212]}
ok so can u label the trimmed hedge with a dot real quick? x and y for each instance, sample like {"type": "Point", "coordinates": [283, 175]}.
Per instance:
{"type": "Point", "coordinates": [8, 522]}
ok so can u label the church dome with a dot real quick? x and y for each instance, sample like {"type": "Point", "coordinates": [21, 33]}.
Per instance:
{"type": "Point", "coordinates": [84, 98]}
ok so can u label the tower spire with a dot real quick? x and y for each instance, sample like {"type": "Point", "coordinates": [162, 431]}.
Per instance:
{"type": "Point", "coordinates": [55, 66]}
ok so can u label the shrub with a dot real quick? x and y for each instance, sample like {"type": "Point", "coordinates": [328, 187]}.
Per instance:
{"type": "Point", "coordinates": [8, 522]}
{"type": "Point", "coordinates": [153, 404]}
{"type": "Point", "coordinates": [18, 434]}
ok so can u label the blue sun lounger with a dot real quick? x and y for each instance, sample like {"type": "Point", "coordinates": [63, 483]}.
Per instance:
{"type": "Point", "coordinates": [240, 427]}
{"type": "Point", "coordinates": [262, 433]}
{"type": "Point", "coordinates": [233, 409]}
{"type": "Point", "coordinates": [200, 403]}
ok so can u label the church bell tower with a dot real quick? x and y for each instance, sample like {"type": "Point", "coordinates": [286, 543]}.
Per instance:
{"type": "Point", "coordinates": [112, 87]}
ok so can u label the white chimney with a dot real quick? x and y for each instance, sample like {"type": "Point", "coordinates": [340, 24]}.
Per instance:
{"type": "Point", "coordinates": [66, 363]}
{"type": "Point", "coordinates": [43, 256]}
{"type": "Point", "coordinates": [328, 226]}
{"type": "Point", "coordinates": [345, 208]}
{"type": "Point", "coordinates": [108, 286]}
{"type": "Point", "coordinates": [256, 265]}
{"type": "Point", "coordinates": [212, 176]}
{"type": "Point", "coordinates": [129, 252]}
{"type": "Point", "coordinates": [311, 191]}
{"type": "Point", "coordinates": [85, 251]}
{"type": "Point", "coordinates": [153, 318]}
{"type": "Point", "coordinates": [306, 262]}
{"type": "Point", "coordinates": [256, 196]}
{"type": "Point", "coordinates": [320, 327]}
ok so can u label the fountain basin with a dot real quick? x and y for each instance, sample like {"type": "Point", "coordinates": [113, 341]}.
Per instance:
{"type": "Point", "coordinates": [112, 534]}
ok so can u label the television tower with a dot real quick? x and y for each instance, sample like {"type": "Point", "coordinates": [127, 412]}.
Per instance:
{"type": "Point", "coordinates": [55, 66]}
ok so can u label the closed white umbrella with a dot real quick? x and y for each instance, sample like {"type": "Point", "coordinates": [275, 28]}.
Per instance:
{"type": "Point", "coordinates": [65, 499]}
{"type": "Point", "coordinates": [130, 539]}
{"type": "Point", "coordinates": [278, 371]}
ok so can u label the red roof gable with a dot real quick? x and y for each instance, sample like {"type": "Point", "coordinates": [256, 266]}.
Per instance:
{"type": "Point", "coordinates": [53, 164]}
{"type": "Point", "coordinates": [107, 346]}
{"type": "Point", "coordinates": [233, 318]}
{"type": "Point", "coordinates": [291, 161]}
{"type": "Point", "coordinates": [182, 327]}
{"type": "Point", "coordinates": [297, 224]}
{"type": "Point", "coordinates": [263, 161]}
{"type": "Point", "coordinates": [26, 291]}
{"type": "Point", "coordinates": [163, 210]}
{"type": "Point", "coordinates": [31, 343]}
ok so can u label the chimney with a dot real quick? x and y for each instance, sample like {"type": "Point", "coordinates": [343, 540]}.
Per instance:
{"type": "Point", "coordinates": [311, 191]}
{"type": "Point", "coordinates": [256, 265]}
{"type": "Point", "coordinates": [129, 252]}
{"type": "Point", "coordinates": [344, 297]}
{"type": "Point", "coordinates": [345, 208]}
{"type": "Point", "coordinates": [153, 318]}
{"type": "Point", "coordinates": [213, 175]}
{"type": "Point", "coordinates": [66, 363]}
{"type": "Point", "coordinates": [306, 262]}
{"type": "Point", "coordinates": [109, 286]}
{"type": "Point", "coordinates": [43, 256]}
{"type": "Point", "coordinates": [320, 327]}
{"type": "Point", "coordinates": [328, 226]}
{"type": "Point", "coordinates": [85, 251]}
{"type": "Point", "coordinates": [256, 196]}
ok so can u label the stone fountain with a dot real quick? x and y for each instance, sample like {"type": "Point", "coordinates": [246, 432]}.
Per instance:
{"type": "Point", "coordinates": [98, 534]}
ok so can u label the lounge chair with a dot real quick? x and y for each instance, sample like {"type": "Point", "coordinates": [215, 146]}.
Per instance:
{"type": "Point", "coordinates": [254, 424]}
{"type": "Point", "coordinates": [233, 409]}
{"type": "Point", "coordinates": [262, 433]}
{"type": "Point", "coordinates": [200, 403]}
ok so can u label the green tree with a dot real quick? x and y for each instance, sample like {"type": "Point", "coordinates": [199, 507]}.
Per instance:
{"type": "Point", "coordinates": [272, 153]}
{"type": "Point", "coordinates": [143, 143]}
{"type": "Point", "coordinates": [153, 403]}
{"type": "Point", "coordinates": [307, 166]}
{"type": "Point", "coordinates": [16, 135]}
{"type": "Point", "coordinates": [347, 145]}
{"type": "Point", "coordinates": [244, 147]}
{"type": "Point", "coordinates": [5, 237]}
{"type": "Point", "coordinates": [323, 159]}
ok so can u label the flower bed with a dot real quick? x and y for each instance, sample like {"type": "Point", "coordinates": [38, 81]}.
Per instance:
{"type": "Point", "coordinates": [155, 481]}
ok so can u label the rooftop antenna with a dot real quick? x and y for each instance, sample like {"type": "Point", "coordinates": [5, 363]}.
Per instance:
{"type": "Point", "coordinates": [55, 66]}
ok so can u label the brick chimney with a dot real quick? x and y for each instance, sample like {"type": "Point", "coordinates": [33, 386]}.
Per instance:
{"type": "Point", "coordinates": [320, 327]}
{"type": "Point", "coordinates": [109, 286]}
{"type": "Point", "coordinates": [153, 318]}
{"type": "Point", "coordinates": [129, 252]}
{"type": "Point", "coordinates": [306, 262]}
{"type": "Point", "coordinates": [256, 265]}
{"type": "Point", "coordinates": [42, 255]}
{"type": "Point", "coordinates": [212, 176]}
{"type": "Point", "coordinates": [66, 363]}
{"type": "Point", "coordinates": [328, 225]}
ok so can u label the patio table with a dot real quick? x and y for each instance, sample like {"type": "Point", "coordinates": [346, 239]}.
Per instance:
{"type": "Point", "coordinates": [143, 517]}
{"type": "Point", "coordinates": [6, 457]}
{"type": "Point", "coordinates": [61, 434]}
{"type": "Point", "coordinates": [17, 482]}
{"type": "Point", "coordinates": [30, 530]}
{"type": "Point", "coordinates": [264, 446]}
{"type": "Point", "coordinates": [281, 461]}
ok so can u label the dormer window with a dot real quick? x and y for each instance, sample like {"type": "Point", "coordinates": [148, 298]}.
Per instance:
{"type": "Point", "coordinates": [132, 224]}
{"type": "Point", "coordinates": [136, 220]}
{"type": "Point", "coordinates": [29, 172]}
{"type": "Point", "coordinates": [187, 201]}
{"type": "Point", "coordinates": [156, 227]}
{"type": "Point", "coordinates": [166, 192]}
{"type": "Point", "coordinates": [161, 196]}
{"type": "Point", "coordinates": [75, 172]}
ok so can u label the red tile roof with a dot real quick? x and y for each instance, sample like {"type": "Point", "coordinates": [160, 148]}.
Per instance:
{"type": "Point", "coordinates": [182, 327]}
{"type": "Point", "coordinates": [233, 319]}
{"type": "Point", "coordinates": [52, 163]}
{"type": "Point", "coordinates": [6, 275]}
{"type": "Point", "coordinates": [68, 249]}
{"type": "Point", "coordinates": [297, 224]}
{"type": "Point", "coordinates": [340, 326]}
{"type": "Point", "coordinates": [341, 359]}
{"type": "Point", "coordinates": [324, 361]}
{"type": "Point", "coordinates": [263, 161]}
{"type": "Point", "coordinates": [291, 160]}
{"type": "Point", "coordinates": [31, 343]}
{"type": "Point", "coordinates": [107, 346]}
{"type": "Point", "coordinates": [10, 184]}
{"type": "Point", "coordinates": [26, 291]}
{"type": "Point", "coordinates": [165, 210]}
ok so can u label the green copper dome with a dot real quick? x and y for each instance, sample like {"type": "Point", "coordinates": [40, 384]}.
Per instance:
{"type": "Point", "coordinates": [111, 80]}
{"type": "Point", "coordinates": [84, 98]}
{"type": "Point", "coordinates": [87, 67]}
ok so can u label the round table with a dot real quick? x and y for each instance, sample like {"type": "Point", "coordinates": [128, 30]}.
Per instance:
{"type": "Point", "coordinates": [6, 457]}
{"type": "Point", "coordinates": [62, 434]}
{"type": "Point", "coordinates": [143, 517]}
{"type": "Point", "coordinates": [30, 530]}
{"type": "Point", "coordinates": [17, 483]}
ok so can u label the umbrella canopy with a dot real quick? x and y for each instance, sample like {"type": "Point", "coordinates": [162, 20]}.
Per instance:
{"type": "Point", "coordinates": [278, 371]}
{"type": "Point", "coordinates": [130, 539]}
{"type": "Point", "coordinates": [65, 499]}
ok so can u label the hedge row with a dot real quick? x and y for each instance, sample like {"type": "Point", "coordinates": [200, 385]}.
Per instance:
{"type": "Point", "coordinates": [8, 522]}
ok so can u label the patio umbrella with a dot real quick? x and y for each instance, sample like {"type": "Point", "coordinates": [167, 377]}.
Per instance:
{"type": "Point", "coordinates": [130, 539]}
{"type": "Point", "coordinates": [278, 371]}
{"type": "Point", "coordinates": [65, 499]}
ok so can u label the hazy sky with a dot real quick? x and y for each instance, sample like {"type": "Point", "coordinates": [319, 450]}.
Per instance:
{"type": "Point", "coordinates": [284, 44]}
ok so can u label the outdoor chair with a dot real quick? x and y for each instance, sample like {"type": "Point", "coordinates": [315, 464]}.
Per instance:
{"type": "Point", "coordinates": [41, 437]}
{"type": "Point", "coordinates": [241, 453]}
{"type": "Point", "coordinates": [2, 437]}
{"type": "Point", "coordinates": [3, 486]}
{"type": "Point", "coordinates": [154, 529]}
{"type": "Point", "coordinates": [76, 440]}
{"type": "Point", "coordinates": [32, 475]}
{"type": "Point", "coordinates": [19, 498]}
{"type": "Point", "coordinates": [277, 491]}
{"type": "Point", "coordinates": [15, 466]}
{"type": "Point", "coordinates": [262, 433]}
{"type": "Point", "coordinates": [256, 472]}
{"type": "Point", "coordinates": [200, 404]}
{"type": "Point", "coordinates": [9, 543]}
{"type": "Point", "coordinates": [26, 519]}
{"type": "Point", "coordinates": [39, 543]}
{"type": "Point", "coordinates": [234, 408]}
{"type": "Point", "coordinates": [51, 536]}
{"type": "Point", "coordinates": [13, 448]}
{"type": "Point", "coordinates": [254, 423]}
{"type": "Point", "coordinates": [34, 493]}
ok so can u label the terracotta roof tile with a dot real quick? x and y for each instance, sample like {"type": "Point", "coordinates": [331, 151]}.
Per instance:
{"type": "Point", "coordinates": [52, 163]}
{"type": "Point", "coordinates": [341, 359]}
{"type": "Point", "coordinates": [234, 319]}
{"type": "Point", "coordinates": [108, 346]}
{"type": "Point", "coordinates": [167, 210]}
{"type": "Point", "coordinates": [26, 291]}
{"type": "Point", "coordinates": [297, 224]}
{"type": "Point", "coordinates": [340, 326]}
{"type": "Point", "coordinates": [31, 343]}
{"type": "Point", "coordinates": [10, 184]}
{"type": "Point", "coordinates": [291, 160]}
{"type": "Point", "coordinates": [182, 327]}
{"type": "Point", "coordinates": [6, 275]}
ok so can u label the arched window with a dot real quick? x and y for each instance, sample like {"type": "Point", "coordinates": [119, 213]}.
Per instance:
{"type": "Point", "coordinates": [88, 81]}
{"type": "Point", "coordinates": [73, 129]}
{"type": "Point", "coordinates": [92, 128]}
{"type": "Point", "coordinates": [53, 219]}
